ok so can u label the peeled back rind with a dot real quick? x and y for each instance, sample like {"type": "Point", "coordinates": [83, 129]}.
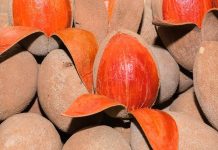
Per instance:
{"type": "Point", "coordinates": [194, 134]}
{"type": "Point", "coordinates": [187, 103]}
{"type": "Point", "coordinates": [178, 44]}
{"type": "Point", "coordinates": [206, 80]}
{"type": "Point", "coordinates": [10, 36]}
{"type": "Point", "coordinates": [91, 15]}
{"type": "Point", "coordinates": [97, 138]}
{"type": "Point", "coordinates": [59, 84]}
{"type": "Point", "coordinates": [169, 78]}
{"type": "Point", "coordinates": [29, 131]}
{"type": "Point", "coordinates": [127, 14]}
{"type": "Point", "coordinates": [18, 83]}
{"type": "Point", "coordinates": [141, 53]}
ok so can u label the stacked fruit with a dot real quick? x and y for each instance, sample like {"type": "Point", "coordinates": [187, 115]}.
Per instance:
{"type": "Point", "coordinates": [108, 74]}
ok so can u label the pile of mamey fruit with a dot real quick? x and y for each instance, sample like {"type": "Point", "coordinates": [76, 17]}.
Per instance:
{"type": "Point", "coordinates": [108, 74]}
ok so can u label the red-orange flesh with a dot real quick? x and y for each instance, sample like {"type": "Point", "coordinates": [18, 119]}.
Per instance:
{"type": "Point", "coordinates": [83, 47]}
{"type": "Point", "coordinates": [9, 36]}
{"type": "Point", "coordinates": [47, 15]}
{"type": "Point", "coordinates": [181, 11]}
{"type": "Point", "coordinates": [89, 104]}
{"type": "Point", "coordinates": [215, 3]}
{"type": "Point", "coordinates": [159, 127]}
{"type": "Point", "coordinates": [128, 73]}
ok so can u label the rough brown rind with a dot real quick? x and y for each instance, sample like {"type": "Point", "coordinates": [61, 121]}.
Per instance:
{"type": "Point", "coordinates": [97, 138]}
{"type": "Point", "coordinates": [29, 131]}
{"type": "Point", "coordinates": [187, 103]}
{"type": "Point", "coordinates": [4, 19]}
{"type": "Point", "coordinates": [39, 44]}
{"type": "Point", "coordinates": [194, 134]}
{"type": "Point", "coordinates": [169, 78]}
{"type": "Point", "coordinates": [18, 83]}
{"type": "Point", "coordinates": [58, 85]}
{"type": "Point", "coordinates": [206, 80]}
{"type": "Point", "coordinates": [138, 140]}
{"type": "Point", "coordinates": [184, 82]}
{"type": "Point", "coordinates": [148, 31]}
{"type": "Point", "coordinates": [91, 15]}
{"type": "Point", "coordinates": [127, 14]}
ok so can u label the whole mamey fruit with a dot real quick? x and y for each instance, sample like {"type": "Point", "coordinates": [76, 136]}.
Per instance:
{"type": "Point", "coordinates": [29, 131]}
{"type": "Point", "coordinates": [97, 138]}
{"type": "Point", "coordinates": [18, 82]}
{"type": "Point", "coordinates": [206, 88]}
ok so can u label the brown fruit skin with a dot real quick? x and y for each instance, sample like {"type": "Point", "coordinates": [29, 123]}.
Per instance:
{"type": "Point", "coordinates": [194, 134]}
{"type": "Point", "coordinates": [125, 132]}
{"type": "Point", "coordinates": [4, 19]}
{"type": "Point", "coordinates": [39, 44]}
{"type": "Point", "coordinates": [169, 78]}
{"type": "Point", "coordinates": [137, 140]}
{"type": "Point", "coordinates": [18, 83]}
{"type": "Point", "coordinates": [28, 131]}
{"type": "Point", "coordinates": [97, 138]}
{"type": "Point", "coordinates": [35, 108]}
{"type": "Point", "coordinates": [184, 83]}
{"type": "Point", "coordinates": [206, 80]}
{"type": "Point", "coordinates": [58, 85]}
{"type": "Point", "coordinates": [187, 103]}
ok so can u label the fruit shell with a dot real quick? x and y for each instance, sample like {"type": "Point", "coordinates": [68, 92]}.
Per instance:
{"type": "Point", "coordinates": [187, 103]}
{"type": "Point", "coordinates": [58, 85]}
{"type": "Point", "coordinates": [169, 78]}
{"type": "Point", "coordinates": [206, 80]}
{"type": "Point", "coordinates": [97, 138]}
{"type": "Point", "coordinates": [29, 131]}
{"type": "Point", "coordinates": [127, 14]}
{"type": "Point", "coordinates": [18, 82]}
{"type": "Point", "coordinates": [91, 15]}
{"type": "Point", "coordinates": [185, 82]}
{"type": "Point", "coordinates": [194, 134]}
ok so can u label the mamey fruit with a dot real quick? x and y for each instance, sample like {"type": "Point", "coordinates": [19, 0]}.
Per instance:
{"type": "Point", "coordinates": [18, 82]}
{"type": "Point", "coordinates": [29, 131]}
{"type": "Point", "coordinates": [97, 138]}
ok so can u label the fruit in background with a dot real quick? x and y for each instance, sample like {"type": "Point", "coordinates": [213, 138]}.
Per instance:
{"type": "Point", "coordinates": [97, 138]}
{"type": "Point", "coordinates": [179, 22]}
{"type": "Point", "coordinates": [29, 131]}
{"type": "Point", "coordinates": [18, 82]}
{"type": "Point", "coordinates": [206, 80]}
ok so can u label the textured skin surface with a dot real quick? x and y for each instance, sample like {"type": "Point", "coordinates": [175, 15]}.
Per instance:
{"type": "Point", "coordinates": [58, 85]}
{"type": "Point", "coordinates": [193, 134]}
{"type": "Point", "coordinates": [180, 11]}
{"type": "Point", "coordinates": [187, 103]}
{"type": "Point", "coordinates": [4, 7]}
{"type": "Point", "coordinates": [138, 141]}
{"type": "Point", "coordinates": [184, 82]}
{"type": "Point", "coordinates": [28, 131]}
{"type": "Point", "coordinates": [91, 15]}
{"type": "Point", "coordinates": [18, 83]}
{"type": "Point", "coordinates": [97, 138]}
{"type": "Point", "coordinates": [206, 80]}
{"type": "Point", "coordinates": [148, 31]}
{"type": "Point", "coordinates": [83, 47]}
{"type": "Point", "coordinates": [127, 14]}
{"type": "Point", "coordinates": [169, 78]}
{"type": "Point", "coordinates": [47, 15]}
{"type": "Point", "coordinates": [127, 72]}
{"type": "Point", "coordinates": [39, 44]}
